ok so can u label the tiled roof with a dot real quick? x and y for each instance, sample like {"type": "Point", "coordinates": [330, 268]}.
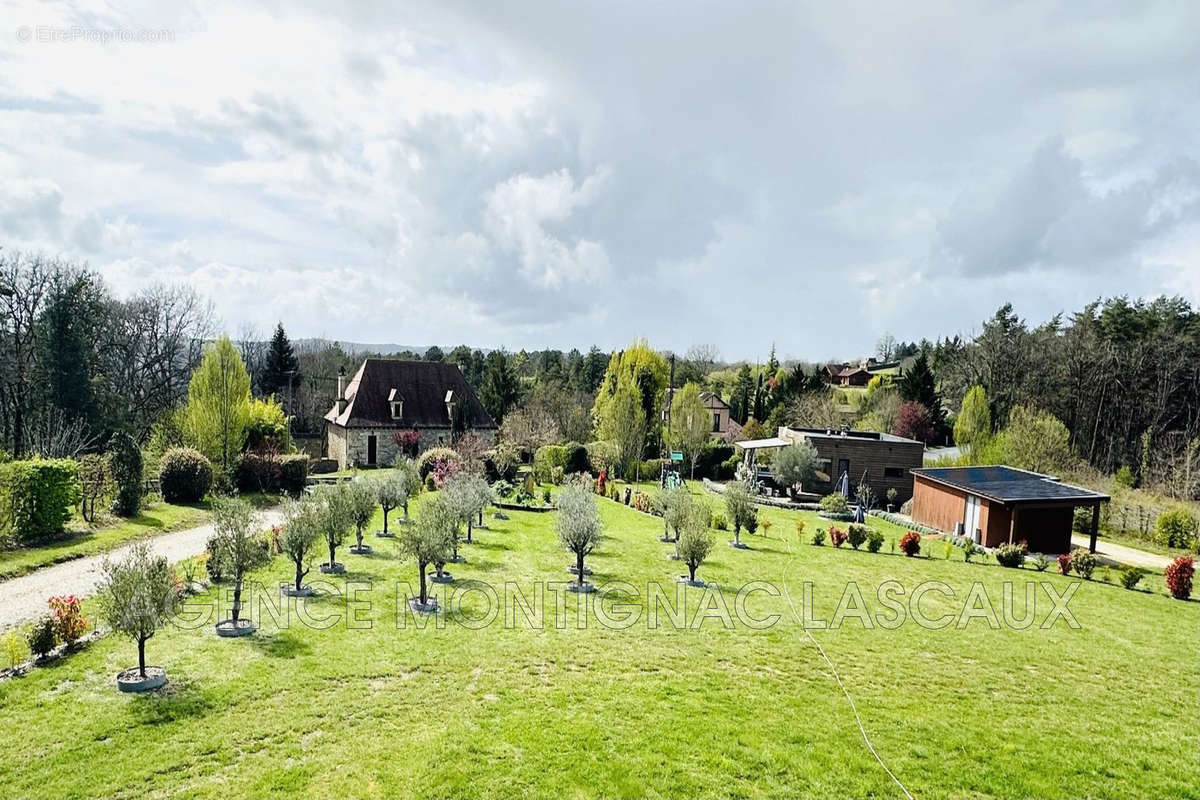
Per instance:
{"type": "Point", "coordinates": [423, 387]}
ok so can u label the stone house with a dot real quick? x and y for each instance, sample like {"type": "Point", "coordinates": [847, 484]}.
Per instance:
{"type": "Point", "coordinates": [392, 405]}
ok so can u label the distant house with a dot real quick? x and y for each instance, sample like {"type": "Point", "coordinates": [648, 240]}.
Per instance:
{"type": "Point", "coordinates": [428, 403]}
{"type": "Point", "coordinates": [880, 460]}
{"type": "Point", "coordinates": [853, 376]}
{"type": "Point", "coordinates": [1002, 505]}
{"type": "Point", "coordinates": [723, 427]}
{"type": "Point", "coordinates": [831, 371]}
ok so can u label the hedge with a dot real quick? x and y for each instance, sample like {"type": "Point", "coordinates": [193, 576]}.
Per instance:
{"type": "Point", "coordinates": [271, 473]}
{"type": "Point", "coordinates": [546, 458]}
{"type": "Point", "coordinates": [184, 475]}
{"type": "Point", "coordinates": [36, 497]}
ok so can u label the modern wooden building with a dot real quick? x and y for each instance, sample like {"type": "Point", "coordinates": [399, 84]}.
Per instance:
{"type": "Point", "coordinates": [880, 460]}
{"type": "Point", "coordinates": [1002, 505]}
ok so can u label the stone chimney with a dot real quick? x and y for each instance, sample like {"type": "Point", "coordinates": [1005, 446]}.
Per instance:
{"type": "Point", "coordinates": [341, 395]}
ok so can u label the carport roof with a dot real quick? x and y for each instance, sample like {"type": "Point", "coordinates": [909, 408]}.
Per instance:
{"type": "Point", "coordinates": [1010, 485]}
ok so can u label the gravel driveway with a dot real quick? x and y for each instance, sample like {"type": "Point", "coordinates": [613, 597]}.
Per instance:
{"type": "Point", "coordinates": [24, 598]}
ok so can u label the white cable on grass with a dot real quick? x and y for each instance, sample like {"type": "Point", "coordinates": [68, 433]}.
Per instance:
{"type": "Point", "coordinates": [857, 719]}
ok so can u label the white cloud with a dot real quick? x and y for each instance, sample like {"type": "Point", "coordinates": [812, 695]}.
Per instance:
{"type": "Point", "coordinates": [531, 174]}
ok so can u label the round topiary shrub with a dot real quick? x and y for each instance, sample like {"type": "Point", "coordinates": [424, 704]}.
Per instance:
{"type": "Point", "coordinates": [184, 475]}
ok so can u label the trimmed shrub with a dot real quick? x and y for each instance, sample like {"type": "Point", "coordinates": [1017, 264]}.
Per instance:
{"type": "Point", "coordinates": [1041, 563]}
{"type": "Point", "coordinates": [577, 459]}
{"type": "Point", "coordinates": [125, 461]}
{"type": "Point", "coordinates": [184, 475]}
{"type": "Point", "coordinates": [910, 543]}
{"type": "Point", "coordinates": [835, 504]}
{"type": "Point", "coordinates": [818, 538]}
{"type": "Point", "coordinates": [1064, 563]}
{"type": "Point", "coordinates": [837, 536]}
{"type": "Point", "coordinates": [874, 540]}
{"type": "Point", "coordinates": [1084, 563]}
{"type": "Point", "coordinates": [857, 535]}
{"type": "Point", "coordinates": [601, 456]}
{"type": "Point", "coordinates": [1177, 527]}
{"type": "Point", "coordinates": [1010, 555]}
{"type": "Point", "coordinates": [258, 471]}
{"type": "Point", "coordinates": [1131, 576]}
{"type": "Point", "coordinates": [430, 484]}
{"type": "Point", "coordinates": [546, 458]}
{"type": "Point", "coordinates": [36, 497]}
{"type": "Point", "coordinates": [293, 474]}
{"type": "Point", "coordinates": [719, 522]}
{"type": "Point", "coordinates": [1179, 575]}
{"type": "Point", "coordinates": [41, 637]}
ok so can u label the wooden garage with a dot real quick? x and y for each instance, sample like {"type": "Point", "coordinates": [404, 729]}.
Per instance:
{"type": "Point", "coordinates": [998, 504]}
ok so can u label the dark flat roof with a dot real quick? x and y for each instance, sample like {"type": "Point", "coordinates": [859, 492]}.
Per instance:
{"type": "Point", "coordinates": [1009, 484]}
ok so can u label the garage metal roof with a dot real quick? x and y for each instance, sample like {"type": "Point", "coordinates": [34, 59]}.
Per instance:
{"type": "Point", "coordinates": [1010, 485]}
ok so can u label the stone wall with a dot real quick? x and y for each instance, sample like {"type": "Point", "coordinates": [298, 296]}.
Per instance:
{"type": "Point", "coordinates": [351, 446]}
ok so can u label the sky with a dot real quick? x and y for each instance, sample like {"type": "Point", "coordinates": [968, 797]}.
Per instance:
{"type": "Point", "coordinates": [550, 174]}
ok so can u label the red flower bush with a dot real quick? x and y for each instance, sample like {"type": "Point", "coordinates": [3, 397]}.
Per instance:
{"type": "Point", "coordinates": [1179, 577]}
{"type": "Point", "coordinates": [1064, 563]}
{"type": "Point", "coordinates": [910, 543]}
{"type": "Point", "coordinates": [837, 536]}
{"type": "Point", "coordinates": [69, 621]}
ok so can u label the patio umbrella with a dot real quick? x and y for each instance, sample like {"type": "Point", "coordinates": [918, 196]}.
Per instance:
{"type": "Point", "coordinates": [858, 515]}
{"type": "Point", "coordinates": [845, 488]}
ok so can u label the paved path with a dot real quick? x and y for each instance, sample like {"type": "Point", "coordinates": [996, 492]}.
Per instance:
{"type": "Point", "coordinates": [24, 598]}
{"type": "Point", "coordinates": [1124, 555]}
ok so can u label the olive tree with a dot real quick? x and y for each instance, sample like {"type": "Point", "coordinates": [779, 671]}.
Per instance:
{"type": "Point", "coordinates": [579, 528]}
{"type": "Point", "coordinates": [301, 532]}
{"type": "Point", "coordinates": [739, 507]}
{"type": "Point", "coordinates": [333, 510]}
{"type": "Point", "coordinates": [673, 503]}
{"type": "Point", "coordinates": [695, 538]}
{"type": "Point", "coordinates": [428, 541]}
{"type": "Point", "coordinates": [391, 491]}
{"type": "Point", "coordinates": [795, 465]}
{"type": "Point", "coordinates": [361, 500]}
{"type": "Point", "coordinates": [410, 478]}
{"type": "Point", "coordinates": [239, 543]}
{"type": "Point", "coordinates": [136, 596]}
{"type": "Point", "coordinates": [469, 495]}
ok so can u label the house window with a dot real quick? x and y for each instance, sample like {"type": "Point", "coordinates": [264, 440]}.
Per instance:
{"type": "Point", "coordinates": [397, 409]}
{"type": "Point", "coordinates": [716, 423]}
{"type": "Point", "coordinates": [893, 472]}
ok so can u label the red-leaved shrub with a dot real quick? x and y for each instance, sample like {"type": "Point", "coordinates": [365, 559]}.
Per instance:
{"type": "Point", "coordinates": [1064, 563]}
{"type": "Point", "coordinates": [910, 543]}
{"type": "Point", "coordinates": [837, 536]}
{"type": "Point", "coordinates": [1179, 577]}
{"type": "Point", "coordinates": [70, 623]}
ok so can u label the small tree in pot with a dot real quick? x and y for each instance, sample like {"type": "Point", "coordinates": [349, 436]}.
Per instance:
{"type": "Point", "coordinates": [695, 540]}
{"type": "Point", "coordinates": [428, 542]}
{"type": "Point", "coordinates": [301, 532]}
{"type": "Point", "coordinates": [579, 529]}
{"type": "Point", "coordinates": [391, 491]}
{"type": "Point", "coordinates": [333, 509]}
{"type": "Point", "coordinates": [242, 549]}
{"type": "Point", "coordinates": [362, 501]}
{"type": "Point", "coordinates": [136, 597]}
{"type": "Point", "coordinates": [740, 510]}
{"type": "Point", "coordinates": [674, 504]}
{"type": "Point", "coordinates": [439, 514]}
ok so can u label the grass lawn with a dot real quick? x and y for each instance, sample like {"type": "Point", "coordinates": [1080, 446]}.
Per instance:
{"type": "Point", "coordinates": [1104, 710]}
{"type": "Point", "coordinates": [81, 539]}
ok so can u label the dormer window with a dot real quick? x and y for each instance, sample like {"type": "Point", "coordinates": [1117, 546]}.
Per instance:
{"type": "Point", "coordinates": [396, 403]}
{"type": "Point", "coordinates": [450, 403]}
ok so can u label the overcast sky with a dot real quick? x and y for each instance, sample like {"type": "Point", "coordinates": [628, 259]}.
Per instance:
{"type": "Point", "coordinates": [526, 174]}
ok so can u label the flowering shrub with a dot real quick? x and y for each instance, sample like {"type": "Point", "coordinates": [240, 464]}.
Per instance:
{"type": "Point", "coordinates": [443, 470]}
{"type": "Point", "coordinates": [1179, 577]}
{"type": "Point", "coordinates": [1064, 563]}
{"type": "Point", "coordinates": [69, 621]}
{"type": "Point", "coordinates": [407, 441]}
{"type": "Point", "coordinates": [799, 527]}
{"type": "Point", "coordinates": [910, 543]}
{"type": "Point", "coordinates": [1084, 563]}
{"type": "Point", "coordinates": [766, 526]}
{"type": "Point", "coordinates": [837, 536]}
